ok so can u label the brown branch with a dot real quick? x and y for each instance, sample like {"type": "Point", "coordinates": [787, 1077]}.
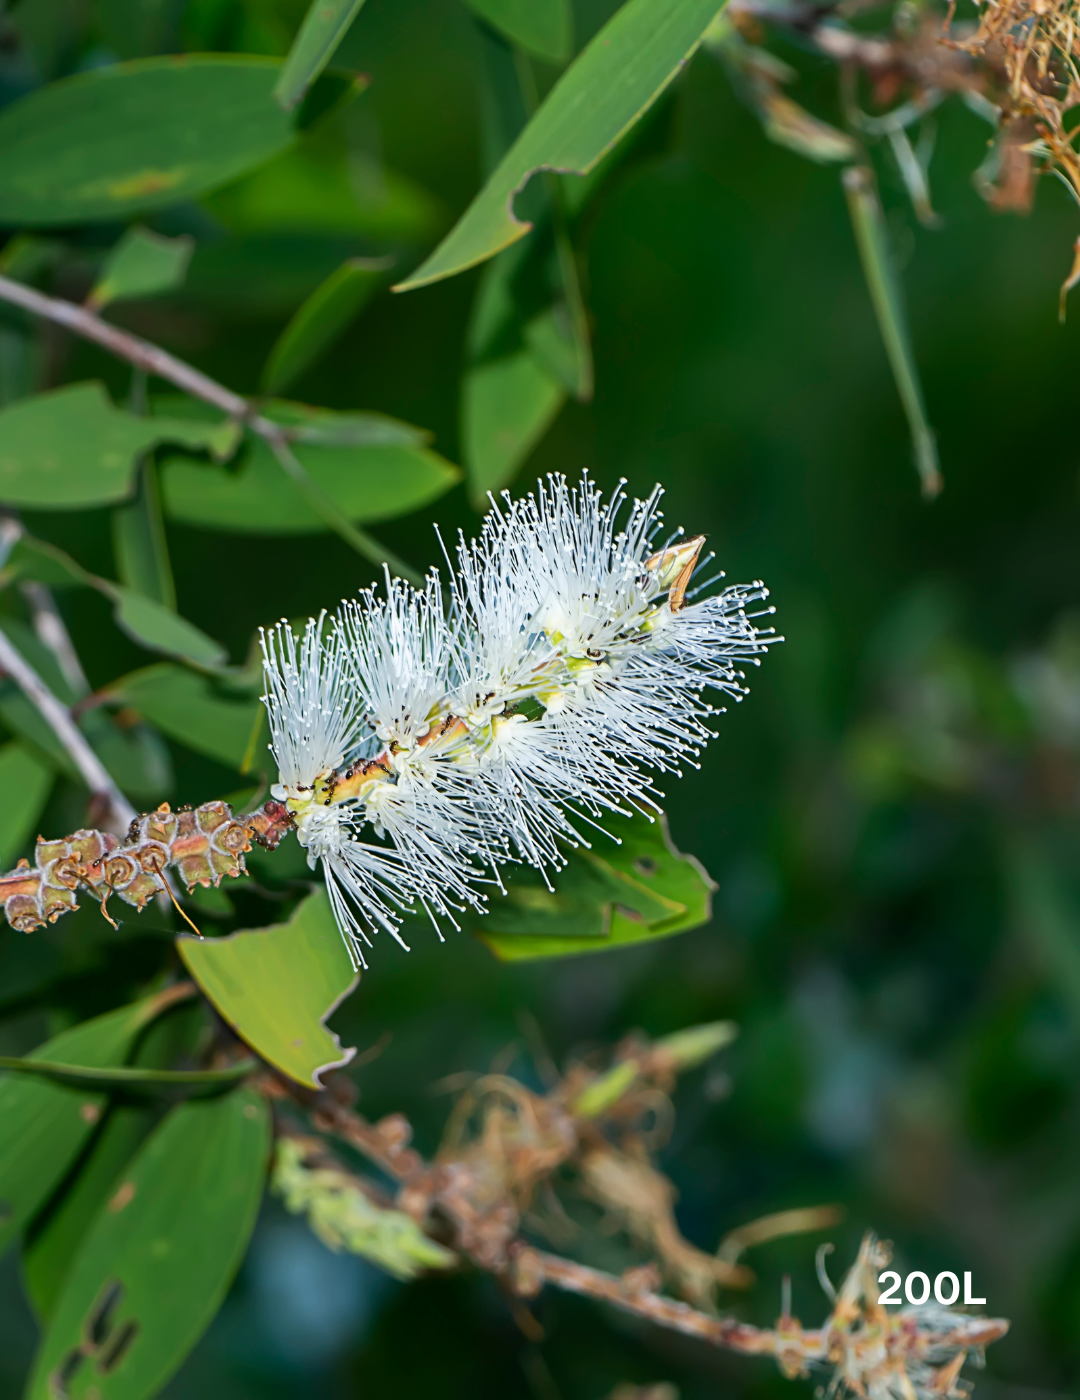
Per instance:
{"type": "Point", "coordinates": [533, 1268]}
{"type": "Point", "coordinates": [463, 1201]}
{"type": "Point", "coordinates": [53, 633]}
{"type": "Point", "coordinates": [118, 810]}
{"type": "Point", "coordinates": [136, 351]}
{"type": "Point", "coordinates": [150, 358]}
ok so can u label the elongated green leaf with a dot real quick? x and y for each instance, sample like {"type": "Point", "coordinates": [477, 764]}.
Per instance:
{"type": "Point", "coordinates": [520, 364]}
{"type": "Point", "coordinates": [157, 627]}
{"type": "Point", "coordinates": [322, 318]}
{"type": "Point", "coordinates": [26, 781]}
{"type": "Point", "coordinates": [607, 897]}
{"type": "Point", "coordinates": [137, 136]}
{"type": "Point", "coordinates": [71, 447]}
{"type": "Point", "coordinates": [562, 354]}
{"type": "Point", "coordinates": [51, 1248]}
{"type": "Point", "coordinates": [46, 1125]}
{"type": "Point", "coordinates": [507, 406]}
{"type": "Point", "coordinates": [872, 237]}
{"type": "Point", "coordinates": [147, 622]}
{"type": "Point", "coordinates": [143, 264]}
{"type": "Point", "coordinates": [53, 1240]}
{"type": "Point", "coordinates": [544, 28]}
{"type": "Point", "coordinates": [140, 547]}
{"type": "Point", "coordinates": [158, 1260]}
{"type": "Point", "coordinates": [323, 29]}
{"type": "Point", "coordinates": [276, 986]}
{"type": "Point", "coordinates": [128, 1078]}
{"type": "Point", "coordinates": [607, 88]}
{"type": "Point", "coordinates": [189, 708]}
{"type": "Point", "coordinates": [366, 482]}
{"type": "Point", "coordinates": [31, 558]}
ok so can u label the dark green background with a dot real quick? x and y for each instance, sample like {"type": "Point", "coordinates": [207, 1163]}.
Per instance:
{"type": "Point", "coordinates": [908, 1049]}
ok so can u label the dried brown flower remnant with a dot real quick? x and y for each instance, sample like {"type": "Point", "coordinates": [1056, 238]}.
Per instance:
{"type": "Point", "coordinates": [1032, 48]}
{"type": "Point", "coordinates": [912, 1353]}
{"type": "Point", "coordinates": [505, 1144]}
{"type": "Point", "coordinates": [915, 1353]}
{"type": "Point", "coordinates": [200, 844]}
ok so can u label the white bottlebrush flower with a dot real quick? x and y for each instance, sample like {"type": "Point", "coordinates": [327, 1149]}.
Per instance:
{"type": "Point", "coordinates": [563, 609]}
{"type": "Point", "coordinates": [401, 653]}
{"type": "Point", "coordinates": [569, 669]}
{"type": "Point", "coordinates": [316, 726]}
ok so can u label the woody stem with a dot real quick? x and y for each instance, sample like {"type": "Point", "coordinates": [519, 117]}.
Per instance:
{"type": "Point", "coordinates": [144, 355]}
{"type": "Point", "coordinates": [536, 1267]}
{"type": "Point", "coordinates": [120, 812]}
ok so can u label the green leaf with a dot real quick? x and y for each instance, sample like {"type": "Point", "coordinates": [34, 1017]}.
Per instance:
{"type": "Point", "coordinates": [55, 1236]}
{"type": "Point", "coordinates": [26, 781]}
{"type": "Point", "coordinates": [46, 1125]}
{"type": "Point", "coordinates": [366, 482]}
{"type": "Point", "coordinates": [154, 626]}
{"type": "Point", "coordinates": [872, 237]}
{"type": "Point", "coordinates": [46, 563]}
{"type": "Point", "coordinates": [135, 754]}
{"type": "Point", "coordinates": [137, 136]}
{"type": "Point", "coordinates": [276, 986]}
{"type": "Point", "coordinates": [145, 621]}
{"type": "Point", "coordinates": [50, 1248]}
{"type": "Point", "coordinates": [159, 1258]}
{"type": "Point", "coordinates": [507, 406]}
{"type": "Point", "coordinates": [321, 320]}
{"type": "Point", "coordinates": [544, 28]}
{"type": "Point", "coordinates": [525, 349]}
{"type": "Point", "coordinates": [323, 29]}
{"type": "Point", "coordinates": [127, 1078]}
{"type": "Point", "coordinates": [189, 708]}
{"type": "Point", "coordinates": [71, 447]}
{"type": "Point", "coordinates": [607, 88]}
{"type": "Point", "coordinates": [143, 264]}
{"type": "Point", "coordinates": [140, 547]}
{"type": "Point", "coordinates": [607, 897]}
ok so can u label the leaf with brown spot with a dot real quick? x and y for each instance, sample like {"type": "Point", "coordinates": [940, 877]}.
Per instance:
{"type": "Point", "coordinates": [159, 1257]}
{"type": "Point", "coordinates": [46, 1125]}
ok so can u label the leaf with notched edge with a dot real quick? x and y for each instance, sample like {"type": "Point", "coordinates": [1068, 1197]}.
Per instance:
{"type": "Point", "coordinates": [608, 896]}
{"type": "Point", "coordinates": [72, 447]}
{"type": "Point", "coordinates": [158, 1259]}
{"type": "Point", "coordinates": [276, 986]}
{"type": "Point", "coordinates": [604, 92]}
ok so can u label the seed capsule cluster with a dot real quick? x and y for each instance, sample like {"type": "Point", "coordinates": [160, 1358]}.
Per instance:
{"type": "Point", "coordinates": [201, 844]}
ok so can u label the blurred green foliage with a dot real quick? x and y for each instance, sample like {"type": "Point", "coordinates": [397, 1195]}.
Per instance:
{"type": "Point", "coordinates": [892, 817]}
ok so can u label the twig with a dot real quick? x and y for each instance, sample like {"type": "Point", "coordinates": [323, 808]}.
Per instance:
{"type": "Point", "coordinates": [52, 632]}
{"type": "Point", "coordinates": [144, 355]}
{"type": "Point", "coordinates": [48, 624]}
{"type": "Point", "coordinates": [535, 1267]}
{"type": "Point", "coordinates": [119, 812]}
{"type": "Point", "coordinates": [136, 351]}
